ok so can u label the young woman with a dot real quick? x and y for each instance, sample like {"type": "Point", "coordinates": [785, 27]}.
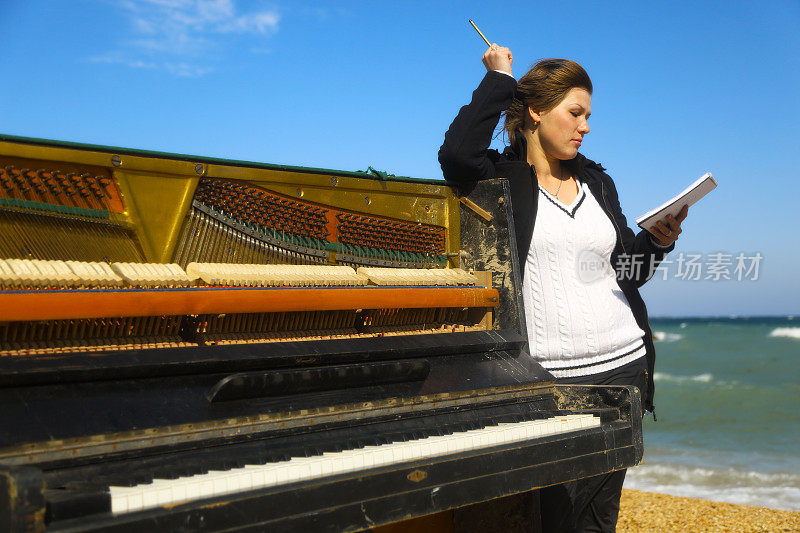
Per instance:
{"type": "Point", "coordinates": [581, 264]}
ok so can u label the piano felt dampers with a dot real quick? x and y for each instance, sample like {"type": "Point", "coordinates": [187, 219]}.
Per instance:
{"type": "Point", "coordinates": [30, 273]}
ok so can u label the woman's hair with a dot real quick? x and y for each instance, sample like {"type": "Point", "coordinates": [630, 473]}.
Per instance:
{"type": "Point", "coordinates": [543, 87]}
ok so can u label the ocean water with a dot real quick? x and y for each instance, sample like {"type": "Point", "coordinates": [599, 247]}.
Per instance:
{"type": "Point", "coordinates": [728, 408]}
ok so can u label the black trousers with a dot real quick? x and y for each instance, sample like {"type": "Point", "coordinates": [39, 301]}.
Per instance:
{"type": "Point", "coordinates": [591, 504]}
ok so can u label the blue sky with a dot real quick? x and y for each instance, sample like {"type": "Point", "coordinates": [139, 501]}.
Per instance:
{"type": "Point", "coordinates": [681, 88]}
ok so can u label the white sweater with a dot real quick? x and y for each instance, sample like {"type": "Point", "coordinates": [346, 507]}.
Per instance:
{"type": "Point", "coordinates": [579, 321]}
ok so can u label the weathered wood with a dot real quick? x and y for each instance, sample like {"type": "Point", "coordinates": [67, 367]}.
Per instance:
{"type": "Point", "coordinates": [22, 504]}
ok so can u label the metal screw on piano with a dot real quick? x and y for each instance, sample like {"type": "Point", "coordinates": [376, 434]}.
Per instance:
{"type": "Point", "coordinates": [212, 350]}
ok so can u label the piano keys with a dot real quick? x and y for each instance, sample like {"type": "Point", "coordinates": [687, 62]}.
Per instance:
{"type": "Point", "coordinates": [183, 489]}
{"type": "Point", "coordinates": [189, 343]}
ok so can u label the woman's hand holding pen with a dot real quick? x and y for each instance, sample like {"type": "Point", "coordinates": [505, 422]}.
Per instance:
{"type": "Point", "coordinates": [498, 58]}
{"type": "Point", "coordinates": [666, 231]}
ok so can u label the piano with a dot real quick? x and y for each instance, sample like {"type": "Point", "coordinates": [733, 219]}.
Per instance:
{"type": "Point", "coordinates": [196, 344]}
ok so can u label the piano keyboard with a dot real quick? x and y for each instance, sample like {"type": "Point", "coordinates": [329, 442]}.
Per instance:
{"type": "Point", "coordinates": [252, 477]}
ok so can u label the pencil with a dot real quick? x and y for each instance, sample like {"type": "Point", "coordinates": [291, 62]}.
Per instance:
{"type": "Point", "coordinates": [481, 34]}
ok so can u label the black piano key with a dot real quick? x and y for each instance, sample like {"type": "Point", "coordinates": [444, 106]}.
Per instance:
{"type": "Point", "coordinates": [193, 470]}
{"type": "Point", "coordinates": [536, 416]}
{"type": "Point", "coordinates": [125, 480]}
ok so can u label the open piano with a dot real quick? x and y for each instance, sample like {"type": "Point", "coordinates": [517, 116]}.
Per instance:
{"type": "Point", "coordinates": [192, 344]}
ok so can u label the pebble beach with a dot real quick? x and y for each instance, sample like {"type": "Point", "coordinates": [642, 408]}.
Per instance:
{"type": "Point", "coordinates": [644, 512]}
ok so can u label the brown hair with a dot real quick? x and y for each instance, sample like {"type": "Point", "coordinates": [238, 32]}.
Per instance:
{"type": "Point", "coordinates": [543, 87]}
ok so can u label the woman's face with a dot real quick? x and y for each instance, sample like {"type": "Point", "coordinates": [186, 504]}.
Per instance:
{"type": "Point", "coordinates": [561, 129]}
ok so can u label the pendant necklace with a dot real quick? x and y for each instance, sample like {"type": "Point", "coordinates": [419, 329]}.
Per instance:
{"type": "Point", "coordinates": [560, 182]}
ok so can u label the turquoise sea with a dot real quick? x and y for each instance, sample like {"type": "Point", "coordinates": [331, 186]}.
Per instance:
{"type": "Point", "coordinates": [728, 408]}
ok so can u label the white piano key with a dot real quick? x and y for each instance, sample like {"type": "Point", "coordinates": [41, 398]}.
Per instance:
{"type": "Point", "coordinates": [120, 498]}
{"type": "Point", "coordinates": [192, 490]}
{"type": "Point", "coordinates": [398, 453]}
{"type": "Point", "coordinates": [135, 500]}
{"type": "Point", "coordinates": [179, 493]}
{"type": "Point", "coordinates": [207, 484]}
{"type": "Point", "coordinates": [474, 442]}
{"type": "Point", "coordinates": [270, 477]}
{"type": "Point", "coordinates": [438, 447]}
{"type": "Point", "coordinates": [257, 475]}
{"type": "Point", "coordinates": [164, 495]}
{"type": "Point", "coordinates": [300, 472]}
{"type": "Point", "coordinates": [205, 489]}
{"type": "Point", "coordinates": [282, 472]}
{"type": "Point", "coordinates": [316, 467]}
{"type": "Point", "coordinates": [149, 498]}
{"type": "Point", "coordinates": [357, 462]}
{"type": "Point", "coordinates": [220, 483]}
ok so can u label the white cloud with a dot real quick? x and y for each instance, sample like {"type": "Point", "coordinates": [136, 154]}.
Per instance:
{"type": "Point", "coordinates": [119, 59]}
{"type": "Point", "coordinates": [186, 70]}
{"type": "Point", "coordinates": [175, 35]}
{"type": "Point", "coordinates": [265, 22]}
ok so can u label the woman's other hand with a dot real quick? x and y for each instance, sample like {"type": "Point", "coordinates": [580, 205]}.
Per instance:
{"type": "Point", "coordinates": [666, 231]}
{"type": "Point", "coordinates": [498, 58]}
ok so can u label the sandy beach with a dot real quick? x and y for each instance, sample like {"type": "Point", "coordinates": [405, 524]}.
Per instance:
{"type": "Point", "coordinates": [643, 512]}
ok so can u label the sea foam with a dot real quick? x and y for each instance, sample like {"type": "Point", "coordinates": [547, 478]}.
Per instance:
{"type": "Point", "coordinates": [785, 332]}
{"type": "Point", "coordinates": [777, 491]}
{"type": "Point", "coordinates": [700, 378]}
{"type": "Point", "coordinates": [666, 337]}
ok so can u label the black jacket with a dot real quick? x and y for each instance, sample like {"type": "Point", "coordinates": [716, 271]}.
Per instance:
{"type": "Point", "coordinates": [466, 158]}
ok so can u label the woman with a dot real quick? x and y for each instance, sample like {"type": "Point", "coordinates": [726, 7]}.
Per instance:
{"type": "Point", "coordinates": [585, 325]}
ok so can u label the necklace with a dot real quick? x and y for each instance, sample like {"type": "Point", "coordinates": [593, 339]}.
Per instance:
{"type": "Point", "coordinates": [560, 182]}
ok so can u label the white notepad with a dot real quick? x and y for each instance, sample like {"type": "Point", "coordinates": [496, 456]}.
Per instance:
{"type": "Point", "coordinates": [673, 206]}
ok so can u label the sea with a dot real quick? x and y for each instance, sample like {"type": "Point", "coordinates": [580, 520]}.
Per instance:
{"type": "Point", "coordinates": [728, 407]}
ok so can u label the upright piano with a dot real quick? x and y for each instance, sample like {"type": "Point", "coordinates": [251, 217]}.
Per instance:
{"type": "Point", "coordinates": [196, 344]}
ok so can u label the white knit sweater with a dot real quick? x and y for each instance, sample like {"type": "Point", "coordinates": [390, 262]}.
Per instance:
{"type": "Point", "coordinates": [579, 321]}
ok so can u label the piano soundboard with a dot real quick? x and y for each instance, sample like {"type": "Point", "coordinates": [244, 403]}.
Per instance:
{"type": "Point", "coordinates": [197, 344]}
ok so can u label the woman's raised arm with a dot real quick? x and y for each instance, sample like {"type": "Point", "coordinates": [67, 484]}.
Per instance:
{"type": "Point", "coordinates": [464, 155]}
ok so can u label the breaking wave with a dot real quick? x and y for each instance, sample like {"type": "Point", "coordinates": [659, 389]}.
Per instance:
{"type": "Point", "coordinates": [666, 337]}
{"type": "Point", "coordinates": [793, 333]}
{"type": "Point", "coordinates": [700, 378]}
{"type": "Point", "coordinates": [777, 491]}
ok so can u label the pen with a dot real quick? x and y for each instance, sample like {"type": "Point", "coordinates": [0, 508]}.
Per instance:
{"type": "Point", "coordinates": [481, 34]}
